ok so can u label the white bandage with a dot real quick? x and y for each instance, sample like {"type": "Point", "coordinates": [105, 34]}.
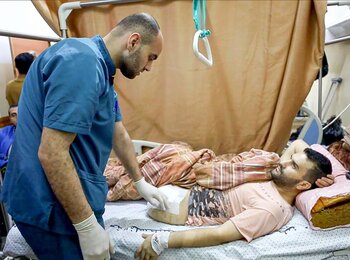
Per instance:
{"type": "Point", "coordinates": [175, 196]}
{"type": "Point", "coordinates": [159, 242]}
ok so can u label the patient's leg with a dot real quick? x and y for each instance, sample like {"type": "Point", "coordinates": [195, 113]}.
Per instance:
{"type": "Point", "coordinates": [178, 212]}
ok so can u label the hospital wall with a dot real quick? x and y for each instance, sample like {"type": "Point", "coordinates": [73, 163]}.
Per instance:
{"type": "Point", "coordinates": [11, 47]}
{"type": "Point", "coordinates": [14, 17]}
{"type": "Point", "coordinates": [6, 72]}
{"type": "Point", "coordinates": [338, 55]}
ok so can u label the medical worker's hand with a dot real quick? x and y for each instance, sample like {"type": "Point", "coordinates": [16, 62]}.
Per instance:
{"type": "Point", "coordinates": [152, 194]}
{"type": "Point", "coordinates": [94, 241]}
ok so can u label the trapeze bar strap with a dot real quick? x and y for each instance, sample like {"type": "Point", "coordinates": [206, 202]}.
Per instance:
{"type": "Point", "coordinates": [206, 60]}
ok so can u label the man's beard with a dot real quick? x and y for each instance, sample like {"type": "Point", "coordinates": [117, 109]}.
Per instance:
{"type": "Point", "coordinates": [130, 67]}
{"type": "Point", "coordinates": [280, 179]}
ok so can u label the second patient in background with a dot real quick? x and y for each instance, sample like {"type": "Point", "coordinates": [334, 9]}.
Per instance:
{"type": "Point", "coordinates": [14, 87]}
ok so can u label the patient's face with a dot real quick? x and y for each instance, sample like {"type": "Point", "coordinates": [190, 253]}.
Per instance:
{"type": "Point", "coordinates": [292, 171]}
{"type": "Point", "coordinates": [13, 115]}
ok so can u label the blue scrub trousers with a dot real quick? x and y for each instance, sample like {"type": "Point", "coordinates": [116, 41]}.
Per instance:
{"type": "Point", "coordinates": [51, 246]}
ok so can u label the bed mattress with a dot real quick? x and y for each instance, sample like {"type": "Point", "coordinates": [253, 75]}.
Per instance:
{"type": "Point", "coordinates": [127, 221]}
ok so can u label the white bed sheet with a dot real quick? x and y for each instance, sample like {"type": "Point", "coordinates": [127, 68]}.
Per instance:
{"type": "Point", "coordinates": [127, 221]}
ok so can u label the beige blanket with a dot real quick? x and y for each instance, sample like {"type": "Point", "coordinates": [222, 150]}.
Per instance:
{"type": "Point", "coordinates": [179, 165]}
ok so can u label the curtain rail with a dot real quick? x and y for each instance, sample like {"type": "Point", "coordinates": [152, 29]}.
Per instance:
{"type": "Point", "coordinates": [28, 36]}
{"type": "Point", "coordinates": [343, 2]}
{"type": "Point", "coordinates": [342, 39]}
{"type": "Point", "coordinates": [107, 2]}
{"type": "Point", "coordinates": [66, 8]}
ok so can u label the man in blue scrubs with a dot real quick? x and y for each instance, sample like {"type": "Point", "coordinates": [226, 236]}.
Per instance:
{"type": "Point", "coordinates": [7, 135]}
{"type": "Point", "coordinates": [69, 120]}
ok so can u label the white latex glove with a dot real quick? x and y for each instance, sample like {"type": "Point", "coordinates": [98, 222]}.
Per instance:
{"type": "Point", "coordinates": [94, 241]}
{"type": "Point", "coordinates": [152, 194]}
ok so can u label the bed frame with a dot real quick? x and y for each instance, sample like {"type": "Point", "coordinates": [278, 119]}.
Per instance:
{"type": "Point", "coordinates": [141, 145]}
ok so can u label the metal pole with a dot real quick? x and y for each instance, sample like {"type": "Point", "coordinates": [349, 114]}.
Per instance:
{"type": "Point", "coordinates": [107, 2]}
{"type": "Point", "coordinates": [320, 95]}
{"type": "Point", "coordinates": [66, 8]}
{"type": "Point", "coordinates": [63, 12]}
{"type": "Point", "coordinates": [342, 39]}
{"type": "Point", "coordinates": [343, 2]}
{"type": "Point", "coordinates": [28, 36]}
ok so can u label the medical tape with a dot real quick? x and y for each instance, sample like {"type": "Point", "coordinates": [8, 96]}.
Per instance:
{"type": "Point", "coordinates": [159, 242]}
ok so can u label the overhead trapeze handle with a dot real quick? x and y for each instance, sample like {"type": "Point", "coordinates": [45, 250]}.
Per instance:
{"type": "Point", "coordinates": [206, 60]}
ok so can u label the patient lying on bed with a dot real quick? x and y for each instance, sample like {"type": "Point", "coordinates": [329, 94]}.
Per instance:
{"type": "Point", "coordinates": [180, 165]}
{"type": "Point", "coordinates": [247, 211]}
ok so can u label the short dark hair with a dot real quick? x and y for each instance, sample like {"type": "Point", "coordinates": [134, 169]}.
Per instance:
{"type": "Point", "coordinates": [23, 62]}
{"type": "Point", "coordinates": [13, 105]}
{"type": "Point", "coordinates": [322, 166]}
{"type": "Point", "coordinates": [142, 23]}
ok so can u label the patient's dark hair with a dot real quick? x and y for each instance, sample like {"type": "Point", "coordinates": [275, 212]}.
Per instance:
{"type": "Point", "coordinates": [322, 166]}
{"type": "Point", "coordinates": [23, 62]}
{"type": "Point", "coordinates": [142, 23]}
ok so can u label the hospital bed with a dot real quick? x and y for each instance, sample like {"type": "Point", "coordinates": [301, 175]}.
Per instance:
{"type": "Point", "coordinates": [126, 221]}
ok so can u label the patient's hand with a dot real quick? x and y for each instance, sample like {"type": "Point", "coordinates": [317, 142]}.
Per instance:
{"type": "Point", "coordinates": [145, 251]}
{"type": "Point", "coordinates": [325, 181]}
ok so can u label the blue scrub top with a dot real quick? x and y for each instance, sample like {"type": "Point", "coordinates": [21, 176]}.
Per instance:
{"type": "Point", "coordinates": [69, 87]}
